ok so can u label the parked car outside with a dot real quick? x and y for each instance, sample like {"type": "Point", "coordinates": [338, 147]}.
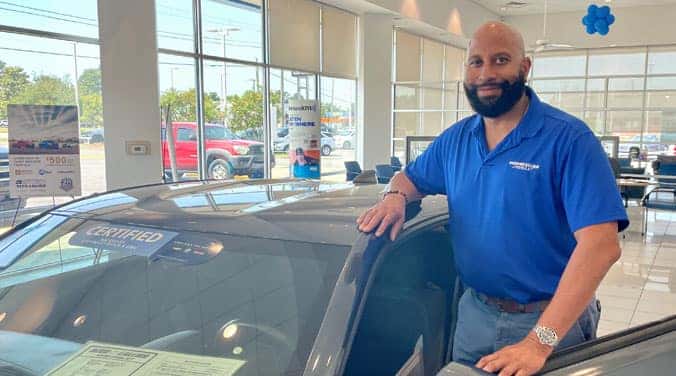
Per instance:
{"type": "Point", "coordinates": [93, 136]}
{"type": "Point", "coordinates": [227, 155]}
{"type": "Point", "coordinates": [281, 144]}
{"type": "Point", "coordinates": [266, 278]}
{"type": "Point", "coordinates": [345, 139]}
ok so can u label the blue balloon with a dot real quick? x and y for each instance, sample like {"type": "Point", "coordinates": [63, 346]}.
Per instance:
{"type": "Point", "coordinates": [586, 20]}
{"type": "Point", "coordinates": [603, 12]}
{"type": "Point", "coordinates": [610, 19]}
{"type": "Point", "coordinates": [592, 9]}
{"type": "Point", "coordinates": [590, 29]}
{"type": "Point", "coordinates": [601, 26]}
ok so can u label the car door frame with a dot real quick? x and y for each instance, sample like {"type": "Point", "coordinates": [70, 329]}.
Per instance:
{"type": "Point", "coordinates": [333, 342]}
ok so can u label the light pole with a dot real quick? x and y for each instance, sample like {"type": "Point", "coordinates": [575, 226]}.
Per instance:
{"type": "Point", "coordinates": [225, 32]}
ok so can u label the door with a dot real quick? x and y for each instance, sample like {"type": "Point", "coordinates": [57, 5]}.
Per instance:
{"type": "Point", "coordinates": [407, 313]}
{"type": "Point", "coordinates": [186, 148]}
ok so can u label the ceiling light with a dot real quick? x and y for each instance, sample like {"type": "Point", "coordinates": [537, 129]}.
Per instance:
{"type": "Point", "coordinates": [237, 350]}
{"type": "Point", "coordinates": [3, 315]}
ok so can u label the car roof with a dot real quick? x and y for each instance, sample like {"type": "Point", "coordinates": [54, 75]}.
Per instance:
{"type": "Point", "coordinates": [295, 210]}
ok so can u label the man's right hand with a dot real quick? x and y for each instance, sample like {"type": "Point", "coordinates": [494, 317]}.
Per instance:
{"type": "Point", "coordinates": [390, 211]}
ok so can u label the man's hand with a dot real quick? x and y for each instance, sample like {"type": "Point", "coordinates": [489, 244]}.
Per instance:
{"type": "Point", "coordinates": [388, 212]}
{"type": "Point", "coordinates": [521, 359]}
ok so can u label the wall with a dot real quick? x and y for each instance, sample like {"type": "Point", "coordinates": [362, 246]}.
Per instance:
{"type": "Point", "coordinates": [648, 25]}
{"type": "Point", "coordinates": [374, 88]}
{"type": "Point", "coordinates": [130, 90]}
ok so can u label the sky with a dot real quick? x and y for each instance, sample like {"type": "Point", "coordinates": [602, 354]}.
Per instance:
{"type": "Point", "coordinates": [241, 23]}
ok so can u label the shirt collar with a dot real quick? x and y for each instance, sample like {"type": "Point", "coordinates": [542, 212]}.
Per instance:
{"type": "Point", "coordinates": [530, 123]}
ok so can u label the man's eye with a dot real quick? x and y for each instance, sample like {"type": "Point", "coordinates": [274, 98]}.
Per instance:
{"type": "Point", "coordinates": [474, 63]}
{"type": "Point", "coordinates": [502, 60]}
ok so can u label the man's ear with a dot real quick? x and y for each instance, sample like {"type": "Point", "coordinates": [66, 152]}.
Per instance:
{"type": "Point", "coordinates": [526, 64]}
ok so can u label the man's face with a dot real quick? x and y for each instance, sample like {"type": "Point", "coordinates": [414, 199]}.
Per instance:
{"type": "Point", "coordinates": [495, 75]}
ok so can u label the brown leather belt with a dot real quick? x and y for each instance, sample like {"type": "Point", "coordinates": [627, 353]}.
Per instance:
{"type": "Point", "coordinates": [512, 306]}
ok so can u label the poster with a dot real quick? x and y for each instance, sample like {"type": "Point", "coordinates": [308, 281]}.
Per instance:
{"type": "Point", "coordinates": [113, 360]}
{"type": "Point", "coordinates": [302, 120]}
{"type": "Point", "coordinates": [44, 151]}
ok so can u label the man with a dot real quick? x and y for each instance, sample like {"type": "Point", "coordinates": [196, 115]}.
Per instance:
{"type": "Point", "coordinates": [534, 213]}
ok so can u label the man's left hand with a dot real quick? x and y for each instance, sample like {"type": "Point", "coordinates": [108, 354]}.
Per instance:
{"type": "Point", "coordinates": [521, 359]}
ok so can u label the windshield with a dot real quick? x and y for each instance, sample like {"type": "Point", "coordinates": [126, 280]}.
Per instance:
{"type": "Point", "coordinates": [258, 301]}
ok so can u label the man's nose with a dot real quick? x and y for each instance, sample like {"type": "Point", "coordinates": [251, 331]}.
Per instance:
{"type": "Point", "coordinates": [487, 73]}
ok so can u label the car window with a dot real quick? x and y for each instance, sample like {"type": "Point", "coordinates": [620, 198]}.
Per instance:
{"type": "Point", "coordinates": [186, 134]}
{"type": "Point", "coordinates": [408, 301]}
{"type": "Point", "coordinates": [218, 133]}
{"type": "Point", "coordinates": [256, 300]}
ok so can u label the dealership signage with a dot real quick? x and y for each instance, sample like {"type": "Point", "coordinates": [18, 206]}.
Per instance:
{"type": "Point", "coordinates": [302, 119]}
{"type": "Point", "coordinates": [44, 151]}
{"type": "Point", "coordinates": [135, 240]}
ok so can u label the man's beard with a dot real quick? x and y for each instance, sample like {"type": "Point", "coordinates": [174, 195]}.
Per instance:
{"type": "Point", "coordinates": [494, 106]}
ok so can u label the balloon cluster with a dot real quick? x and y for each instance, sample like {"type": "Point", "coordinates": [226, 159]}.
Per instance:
{"type": "Point", "coordinates": [598, 19]}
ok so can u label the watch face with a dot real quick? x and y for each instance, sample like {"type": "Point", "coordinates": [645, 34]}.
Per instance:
{"type": "Point", "coordinates": [547, 336]}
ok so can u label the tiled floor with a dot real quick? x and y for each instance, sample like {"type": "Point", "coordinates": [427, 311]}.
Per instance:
{"type": "Point", "coordinates": [641, 286]}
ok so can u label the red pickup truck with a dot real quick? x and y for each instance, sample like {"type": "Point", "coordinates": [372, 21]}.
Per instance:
{"type": "Point", "coordinates": [226, 155]}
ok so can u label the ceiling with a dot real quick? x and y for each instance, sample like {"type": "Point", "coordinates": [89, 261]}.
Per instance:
{"type": "Point", "coordinates": [557, 6]}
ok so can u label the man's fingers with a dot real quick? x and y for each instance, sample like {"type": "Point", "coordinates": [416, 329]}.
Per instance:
{"type": "Point", "coordinates": [396, 227]}
{"type": "Point", "coordinates": [510, 370]}
{"type": "Point", "coordinates": [495, 365]}
{"type": "Point", "coordinates": [384, 224]}
{"type": "Point", "coordinates": [372, 221]}
{"type": "Point", "coordinates": [522, 372]}
{"type": "Point", "coordinates": [484, 360]}
{"type": "Point", "coordinates": [368, 217]}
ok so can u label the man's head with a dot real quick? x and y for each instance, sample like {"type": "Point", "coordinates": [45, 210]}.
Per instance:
{"type": "Point", "coordinates": [496, 69]}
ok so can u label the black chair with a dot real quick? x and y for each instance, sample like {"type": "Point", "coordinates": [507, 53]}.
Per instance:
{"type": "Point", "coordinates": [384, 173]}
{"type": "Point", "coordinates": [395, 163]}
{"type": "Point", "coordinates": [352, 170]}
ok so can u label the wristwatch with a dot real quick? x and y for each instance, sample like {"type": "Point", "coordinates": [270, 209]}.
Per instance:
{"type": "Point", "coordinates": [546, 336]}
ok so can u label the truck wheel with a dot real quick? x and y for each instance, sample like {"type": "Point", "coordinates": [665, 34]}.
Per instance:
{"type": "Point", "coordinates": [220, 169]}
{"type": "Point", "coordinates": [326, 150]}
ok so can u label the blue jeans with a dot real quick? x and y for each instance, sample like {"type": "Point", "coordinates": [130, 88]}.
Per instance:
{"type": "Point", "coordinates": [483, 329]}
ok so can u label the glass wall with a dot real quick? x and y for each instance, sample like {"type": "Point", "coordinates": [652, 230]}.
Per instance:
{"type": "Point", "coordinates": [38, 68]}
{"type": "Point", "coordinates": [428, 93]}
{"type": "Point", "coordinates": [625, 92]}
{"type": "Point", "coordinates": [312, 55]}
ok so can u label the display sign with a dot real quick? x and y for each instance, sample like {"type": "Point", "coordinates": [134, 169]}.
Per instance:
{"type": "Point", "coordinates": [44, 151]}
{"type": "Point", "coordinates": [302, 120]}
{"type": "Point", "coordinates": [113, 360]}
{"type": "Point", "coordinates": [136, 240]}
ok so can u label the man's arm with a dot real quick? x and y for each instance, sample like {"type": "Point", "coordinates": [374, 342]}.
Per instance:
{"type": "Point", "coordinates": [596, 251]}
{"type": "Point", "coordinates": [391, 210]}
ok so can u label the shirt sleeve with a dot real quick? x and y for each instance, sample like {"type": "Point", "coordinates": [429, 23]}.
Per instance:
{"type": "Point", "coordinates": [428, 171]}
{"type": "Point", "coordinates": [588, 188]}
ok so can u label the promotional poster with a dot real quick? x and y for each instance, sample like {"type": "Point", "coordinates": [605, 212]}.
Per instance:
{"type": "Point", "coordinates": [302, 119]}
{"type": "Point", "coordinates": [44, 151]}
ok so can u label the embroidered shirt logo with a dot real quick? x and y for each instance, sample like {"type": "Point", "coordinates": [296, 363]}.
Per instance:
{"type": "Point", "coordinates": [524, 166]}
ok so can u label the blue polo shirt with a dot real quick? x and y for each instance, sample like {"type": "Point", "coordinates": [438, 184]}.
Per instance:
{"type": "Point", "coordinates": [514, 210]}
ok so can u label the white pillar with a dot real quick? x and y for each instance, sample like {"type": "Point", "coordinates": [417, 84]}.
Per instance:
{"type": "Point", "coordinates": [375, 98]}
{"type": "Point", "coordinates": [130, 90]}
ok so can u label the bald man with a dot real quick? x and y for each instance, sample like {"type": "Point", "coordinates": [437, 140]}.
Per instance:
{"type": "Point", "coordinates": [534, 213]}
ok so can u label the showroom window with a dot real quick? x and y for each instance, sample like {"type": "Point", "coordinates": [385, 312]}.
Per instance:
{"type": "Point", "coordinates": [428, 93]}
{"type": "Point", "coordinates": [246, 79]}
{"type": "Point", "coordinates": [625, 92]}
{"type": "Point", "coordinates": [38, 66]}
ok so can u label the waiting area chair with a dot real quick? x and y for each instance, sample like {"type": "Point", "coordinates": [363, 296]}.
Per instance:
{"type": "Point", "coordinates": [384, 173]}
{"type": "Point", "coordinates": [663, 196]}
{"type": "Point", "coordinates": [395, 163]}
{"type": "Point", "coordinates": [352, 170]}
